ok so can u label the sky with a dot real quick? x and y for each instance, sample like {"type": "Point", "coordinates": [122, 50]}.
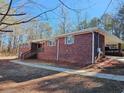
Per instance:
{"type": "Point", "coordinates": [89, 9]}
{"type": "Point", "coordinates": [95, 8]}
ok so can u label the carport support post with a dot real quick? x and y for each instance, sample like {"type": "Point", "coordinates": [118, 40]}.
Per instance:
{"type": "Point", "coordinates": [119, 48]}
{"type": "Point", "coordinates": [92, 47]}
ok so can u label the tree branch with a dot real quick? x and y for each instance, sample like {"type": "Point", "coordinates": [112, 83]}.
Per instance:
{"type": "Point", "coordinates": [16, 23]}
{"type": "Point", "coordinates": [75, 10]}
{"type": "Point", "coordinates": [21, 14]}
{"type": "Point", "coordinates": [10, 4]}
{"type": "Point", "coordinates": [107, 8]}
{"type": "Point", "coordinates": [6, 30]}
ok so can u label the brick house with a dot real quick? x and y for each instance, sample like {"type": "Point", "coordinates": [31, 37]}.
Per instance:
{"type": "Point", "coordinates": [76, 47]}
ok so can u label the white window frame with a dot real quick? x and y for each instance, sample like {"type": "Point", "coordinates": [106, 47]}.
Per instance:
{"type": "Point", "coordinates": [69, 40]}
{"type": "Point", "coordinates": [51, 42]}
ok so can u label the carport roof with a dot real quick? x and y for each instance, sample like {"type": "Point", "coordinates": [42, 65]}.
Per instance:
{"type": "Point", "coordinates": [112, 39]}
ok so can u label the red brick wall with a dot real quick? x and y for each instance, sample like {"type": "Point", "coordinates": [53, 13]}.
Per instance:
{"type": "Point", "coordinates": [80, 52]}
{"type": "Point", "coordinates": [49, 53]}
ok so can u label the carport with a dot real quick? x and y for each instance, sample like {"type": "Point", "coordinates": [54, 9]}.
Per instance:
{"type": "Point", "coordinates": [113, 45]}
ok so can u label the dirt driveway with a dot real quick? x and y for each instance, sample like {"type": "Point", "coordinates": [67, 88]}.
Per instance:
{"type": "Point", "coordinates": [22, 79]}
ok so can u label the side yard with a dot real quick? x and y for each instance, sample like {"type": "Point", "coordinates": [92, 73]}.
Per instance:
{"type": "Point", "coordinates": [23, 79]}
{"type": "Point", "coordinates": [63, 83]}
{"type": "Point", "coordinates": [18, 73]}
{"type": "Point", "coordinates": [108, 66]}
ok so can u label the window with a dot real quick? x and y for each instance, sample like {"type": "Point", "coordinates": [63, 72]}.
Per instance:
{"type": "Point", "coordinates": [52, 43]}
{"type": "Point", "coordinates": [69, 40]}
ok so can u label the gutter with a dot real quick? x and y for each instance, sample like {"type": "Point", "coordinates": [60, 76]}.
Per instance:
{"type": "Point", "coordinates": [93, 61]}
{"type": "Point", "coordinates": [57, 54]}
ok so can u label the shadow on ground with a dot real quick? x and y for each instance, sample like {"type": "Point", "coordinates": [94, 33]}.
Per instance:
{"type": "Point", "coordinates": [19, 73]}
{"type": "Point", "coordinates": [79, 84]}
{"type": "Point", "coordinates": [114, 67]}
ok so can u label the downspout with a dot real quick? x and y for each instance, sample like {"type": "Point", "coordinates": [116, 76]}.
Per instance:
{"type": "Point", "coordinates": [98, 41]}
{"type": "Point", "coordinates": [57, 55]}
{"type": "Point", "coordinates": [93, 48]}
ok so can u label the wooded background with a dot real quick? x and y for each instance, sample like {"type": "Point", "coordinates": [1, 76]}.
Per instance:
{"type": "Point", "coordinates": [18, 27]}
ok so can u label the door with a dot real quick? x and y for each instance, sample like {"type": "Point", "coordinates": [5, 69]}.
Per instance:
{"type": "Point", "coordinates": [34, 46]}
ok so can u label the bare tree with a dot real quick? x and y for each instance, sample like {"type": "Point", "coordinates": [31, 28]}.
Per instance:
{"type": "Point", "coordinates": [64, 22]}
